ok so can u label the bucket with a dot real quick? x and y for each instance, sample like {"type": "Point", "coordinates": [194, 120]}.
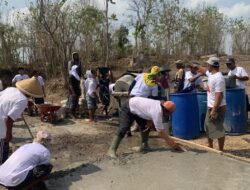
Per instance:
{"type": "Point", "coordinates": [202, 107]}
{"type": "Point", "coordinates": [235, 122]}
{"type": "Point", "coordinates": [185, 123]}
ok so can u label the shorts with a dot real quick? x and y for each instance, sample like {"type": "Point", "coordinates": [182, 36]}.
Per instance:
{"type": "Point", "coordinates": [91, 102]}
{"type": "Point", "coordinates": [214, 128]}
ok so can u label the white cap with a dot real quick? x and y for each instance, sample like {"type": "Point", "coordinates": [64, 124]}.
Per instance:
{"type": "Point", "coordinates": [214, 61]}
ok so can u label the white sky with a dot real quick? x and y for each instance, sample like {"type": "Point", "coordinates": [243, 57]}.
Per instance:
{"type": "Point", "coordinates": [232, 8]}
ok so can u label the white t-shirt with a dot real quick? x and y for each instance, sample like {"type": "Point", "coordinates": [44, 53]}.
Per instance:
{"type": "Point", "coordinates": [16, 168]}
{"type": "Point", "coordinates": [189, 75]}
{"type": "Point", "coordinates": [148, 109]}
{"type": "Point", "coordinates": [90, 86]}
{"type": "Point", "coordinates": [141, 89]}
{"type": "Point", "coordinates": [241, 72]}
{"type": "Point", "coordinates": [41, 80]}
{"type": "Point", "coordinates": [19, 77]}
{"type": "Point", "coordinates": [12, 104]}
{"type": "Point", "coordinates": [216, 83]}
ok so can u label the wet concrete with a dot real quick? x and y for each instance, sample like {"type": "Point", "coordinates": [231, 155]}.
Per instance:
{"type": "Point", "coordinates": [161, 169]}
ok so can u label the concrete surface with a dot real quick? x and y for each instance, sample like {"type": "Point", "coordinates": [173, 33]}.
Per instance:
{"type": "Point", "coordinates": [161, 169]}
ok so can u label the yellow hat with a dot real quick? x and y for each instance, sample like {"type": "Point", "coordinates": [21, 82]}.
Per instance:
{"type": "Point", "coordinates": [30, 87]}
{"type": "Point", "coordinates": [155, 70]}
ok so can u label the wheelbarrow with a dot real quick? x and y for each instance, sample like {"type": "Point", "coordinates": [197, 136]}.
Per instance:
{"type": "Point", "coordinates": [48, 112]}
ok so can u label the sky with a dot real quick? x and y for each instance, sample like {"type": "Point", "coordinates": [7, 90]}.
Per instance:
{"type": "Point", "coordinates": [232, 8]}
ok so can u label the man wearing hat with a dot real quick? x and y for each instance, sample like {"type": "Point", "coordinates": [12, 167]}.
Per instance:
{"type": "Point", "coordinates": [145, 84]}
{"type": "Point", "coordinates": [163, 82]}
{"type": "Point", "coordinates": [13, 101]}
{"type": "Point", "coordinates": [27, 164]}
{"type": "Point", "coordinates": [141, 110]}
{"type": "Point", "coordinates": [179, 76]}
{"type": "Point", "coordinates": [216, 102]}
{"type": "Point", "coordinates": [240, 74]}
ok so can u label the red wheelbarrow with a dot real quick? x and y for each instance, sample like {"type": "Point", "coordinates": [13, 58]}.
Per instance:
{"type": "Point", "coordinates": [48, 112]}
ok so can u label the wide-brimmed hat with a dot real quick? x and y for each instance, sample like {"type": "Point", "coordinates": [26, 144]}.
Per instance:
{"type": "Point", "coordinates": [30, 87]}
{"type": "Point", "coordinates": [170, 106]}
{"type": "Point", "coordinates": [214, 61]}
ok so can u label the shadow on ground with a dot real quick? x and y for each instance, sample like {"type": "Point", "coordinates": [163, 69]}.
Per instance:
{"type": "Point", "coordinates": [72, 175]}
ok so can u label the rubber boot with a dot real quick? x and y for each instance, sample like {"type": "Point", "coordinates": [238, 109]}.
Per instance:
{"type": "Point", "coordinates": [114, 146]}
{"type": "Point", "coordinates": [144, 143]}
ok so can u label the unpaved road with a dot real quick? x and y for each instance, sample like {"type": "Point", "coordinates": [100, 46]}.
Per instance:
{"type": "Point", "coordinates": [78, 149]}
{"type": "Point", "coordinates": [158, 170]}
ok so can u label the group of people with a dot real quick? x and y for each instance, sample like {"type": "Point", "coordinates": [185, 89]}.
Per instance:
{"type": "Point", "coordinates": [95, 86]}
{"type": "Point", "coordinates": [148, 104]}
{"type": "Point", "coordinates": [147, 107]}
{"type": "Point", "coordinates": [216, 89]}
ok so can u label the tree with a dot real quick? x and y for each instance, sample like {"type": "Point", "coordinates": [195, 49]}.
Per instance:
{"type": "Point", "coordinates": [107, 30]}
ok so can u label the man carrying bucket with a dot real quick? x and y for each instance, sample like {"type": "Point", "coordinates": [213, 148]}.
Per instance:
{"type": "Point", "coordinates": [141, 109]}
{"type": "Point", "coordinates": [216, 102]}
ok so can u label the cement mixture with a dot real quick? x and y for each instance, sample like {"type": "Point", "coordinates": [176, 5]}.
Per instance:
{"type": "Point", "coordinates": [158, 170]}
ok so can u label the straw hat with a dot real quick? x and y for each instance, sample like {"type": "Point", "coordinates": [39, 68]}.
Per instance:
{"type": "Point", "coordinates": [30, 87]}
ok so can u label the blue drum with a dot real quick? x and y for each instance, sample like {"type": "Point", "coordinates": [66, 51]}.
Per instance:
{"type": "Point", "coordinates": [185, 120]}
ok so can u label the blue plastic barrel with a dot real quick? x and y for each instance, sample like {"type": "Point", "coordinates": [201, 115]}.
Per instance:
{"type": "Point", "coordinates": [235, 122]}
{"type": "Point", "coordinates": [185, 120]}
{"type": "Point", "coordinates": [202, 107]}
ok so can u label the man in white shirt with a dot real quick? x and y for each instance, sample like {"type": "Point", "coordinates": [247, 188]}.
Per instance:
{"type": "Point", "coordinates": [145, 84]}
{"type": "Point", "coordinates": [216, 102]}
{"type": "Point", "coordinates": [13, 101]}
{"type": "Point", "coordinates": [74, 90]}
{"type": "Point", "coordinates": [192, 79]}
{"type": "Point", "coordinates": [20, 76]}
{"type": "Point", "coordinates": [240, 74]}
{"type": "Point", "coordinates": [42, 83]}
{"type": "Point", "coordinates": [27, 164]}
{"type": "Point", "coordinates": [141, 110]}
{"type": "Point", "coordinates": [92, 98]}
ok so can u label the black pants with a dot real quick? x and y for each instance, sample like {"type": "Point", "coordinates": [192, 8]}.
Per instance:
{"type": "Point", "coordinates": [34, 174]}
{"type": "Point", "coordinates": [4, 151]}
{"type": "Point", "coordinates": [126, 119]}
